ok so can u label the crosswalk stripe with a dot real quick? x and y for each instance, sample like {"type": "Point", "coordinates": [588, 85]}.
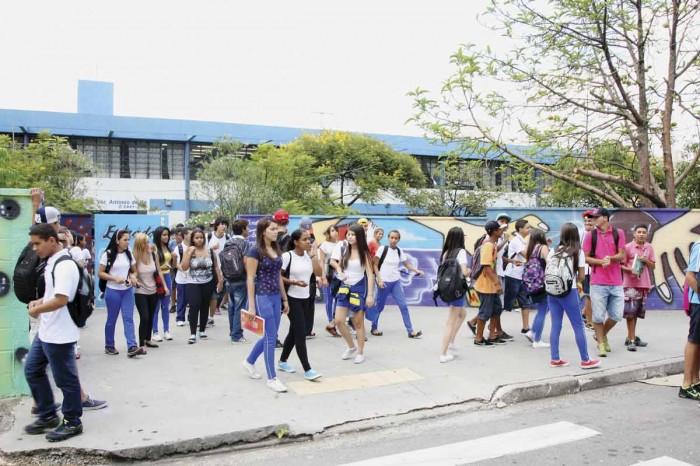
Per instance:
{"type": "Point", "coordinates": [663, 461]}
{"type": "Point", "coordinates": [494, 446]}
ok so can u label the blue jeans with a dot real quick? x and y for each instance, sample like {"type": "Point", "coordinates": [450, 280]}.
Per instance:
{"type": "Point", "coordinates": [120, 300]}
{"type": "Point", "coordinates": [396, 290]}
{"type": "Point", "coordinates": [608, 299]}
{"type": "Point", "coordinates": [237, 300]}
{"type": "Point", "coordinates": [330, 303]}
{"type": "Point", "coordinates": [181, 301]}
{"type": "Point", "coordinates": [538, 324]}
{"type": "Point", "coordinates": [568, 305]}
{"type": "Point", "coordinates": [61, 358]}
{"type": "Point", "coordinates": [269, 308]}
{"type": "Point", "coordinates": [164, 305]}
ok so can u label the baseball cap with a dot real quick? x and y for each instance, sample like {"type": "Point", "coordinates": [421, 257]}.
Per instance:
{"type": "Point", "coordinates": [600, 212]}
{"type": "Point", "coordinates": [492, 226]}
{"type": "Point", "coordinates": [588, 213]}
{"type": "Point", "coordinates": [363, 221]}
{"type": "Point", "coordinates": [503, 215]}
{"type": "Point", "coordinates": [47, 215]}
{"type": "Point", "coordinates": [306, 224]}
{"type": "Point", "coordinates": [281, 217]}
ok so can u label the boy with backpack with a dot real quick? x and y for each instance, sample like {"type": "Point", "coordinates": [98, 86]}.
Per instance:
{"type": "Point", "coordinates": [232, 260]}
{"type": "Point", "coordinates": [488, 286]}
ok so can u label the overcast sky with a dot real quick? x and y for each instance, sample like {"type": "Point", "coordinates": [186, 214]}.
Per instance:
{"type": "Point", "coordinates": [329, 64]}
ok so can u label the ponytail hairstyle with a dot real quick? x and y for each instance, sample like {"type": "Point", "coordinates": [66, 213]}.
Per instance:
{"type": "Point", "coordinates": [112, 249]}
{"type": "Point", "coordinates": [293, 238]}
{"type": "Point", "coordinates": [360, 243]}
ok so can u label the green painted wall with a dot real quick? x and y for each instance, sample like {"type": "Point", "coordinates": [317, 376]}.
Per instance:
{"type": "Point", "coordinates": [14, 320]}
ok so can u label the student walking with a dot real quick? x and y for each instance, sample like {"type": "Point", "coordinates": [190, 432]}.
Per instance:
{"type": "Point", "coordinates": [181, 276]}
{"type": "Point", "coordinates": [325, 251]}
{"type": "Point", "coordinates": [298, 264]}
{"type": "Point", "coordinates": [568, 258]}
{"type": "Point", "coordinates": [264, 281]}
{"type": "Point", "coordinates": [145, 295]}
{"type": "Point", "coordinates": [161, 240]}
{"type": "Point", "coordinates": [118, 268]}
{"type": "Point", "coordinates": [514, 262]}
{"type": "Point", "coordinates": [235, 275]}
{"type": "Point", "coordinates": [488, 287]}
{"type": "Point", "coordinates": [454, 249]}
{"type": "Point", "coordinates": [537, 250]}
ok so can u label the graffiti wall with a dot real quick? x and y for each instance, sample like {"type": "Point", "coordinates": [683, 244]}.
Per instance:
{"type": "Point", "coordinates": [671, 232]}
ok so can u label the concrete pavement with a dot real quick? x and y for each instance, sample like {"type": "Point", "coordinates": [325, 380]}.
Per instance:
{"type": "Point", "coordinates": [182, 397]}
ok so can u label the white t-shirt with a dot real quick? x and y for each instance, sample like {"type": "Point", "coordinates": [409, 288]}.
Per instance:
{"type": "Point", "coordinates": [300, 270]}
{"type": "Point", "coordinates": [354, 271]}
{"type": "Point", "coordinates": [86, 255]}
{"type": "Point", "coordinates": [77, 254]}
{"type": "Point", "coordinates": [499, 258]}
{"type": "Point", "coordinates": [581, 258]}
{"type": "Point", "coordinates": [461, 257]}
{"type": "Point", "coordinates": [58, 326]}
{"type": "Point", "coordinates": [120, 268]}
{"type": "Point", "coordinates": [214, 240]}
{"type": "Point", "coordinates": [390, 267]}
{"type": "Point", "coordinates": [180, 276]}
{"type": "Point", "coordinates": [516, 251]}
{"type": "Point", "coordinates": [327, 248]}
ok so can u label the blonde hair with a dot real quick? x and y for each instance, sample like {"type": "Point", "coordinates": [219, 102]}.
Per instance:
{"type": "Point", "coordinates": [141, 252]}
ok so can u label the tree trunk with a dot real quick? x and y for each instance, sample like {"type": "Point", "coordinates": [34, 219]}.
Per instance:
{"type": "Point", "coordinates": [643, 125]}
{"type": "Point", "coordinates": [667, 119]}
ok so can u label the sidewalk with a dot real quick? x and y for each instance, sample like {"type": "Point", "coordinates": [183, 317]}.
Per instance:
{"type": "Point", "coordinates": [184, 397]}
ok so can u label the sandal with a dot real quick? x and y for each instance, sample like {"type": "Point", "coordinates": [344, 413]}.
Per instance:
{"type": "Point", "coordinates": [377, 333]}
{"type": "Point", "coordinates": [332, 330]}
{"type": "Point", "coordinates": [415, 334]}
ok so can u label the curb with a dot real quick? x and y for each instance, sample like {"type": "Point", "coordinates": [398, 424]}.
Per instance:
{"type": "Point", "coordinates": [567, 385]}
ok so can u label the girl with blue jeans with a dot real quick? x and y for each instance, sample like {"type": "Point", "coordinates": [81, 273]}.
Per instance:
{"type": "Point", "coordinates": [118, 268]}
{"type": "Point", "coordinates": [325, 251]}
{"type": "Point", "coordinates": [537, 248]}
{"type": "Point", "coordinates": [264, 280]}
{"type": "Point", "coordinates": [161, 240]}
{"type": "Point", "coordinates": [569, 249]}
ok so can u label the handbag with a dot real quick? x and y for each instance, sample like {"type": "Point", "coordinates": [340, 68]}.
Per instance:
{"type": "Point", "coordinates": [160, 286]}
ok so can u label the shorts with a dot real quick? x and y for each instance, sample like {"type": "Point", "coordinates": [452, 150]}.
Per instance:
{"type": "Point", "coordinates": [694, 332]}
{"type": "Point", "coordinates": [607, 299]}
{"type": "Point", "coordinates": [586, 285]}
{"type": "Point", "coordinates": [513, 290]}
{"type": "Point", "coordinates": [489, 306]}
{"type": "Point", "coordinates": [352, 297]}
{"type": "Point", "coordinates": [459, 302]}
{"type": "Point", "coordinates": [635, 303]}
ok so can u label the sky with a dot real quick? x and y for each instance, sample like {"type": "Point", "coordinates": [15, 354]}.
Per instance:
{"type": "Point", "coordinates": [309, 64]}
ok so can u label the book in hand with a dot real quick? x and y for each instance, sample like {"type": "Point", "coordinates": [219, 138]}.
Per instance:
{"type": "Point", "coordinates": [257, 325]}
{"type": "Point", "coordinates": [637, 266]}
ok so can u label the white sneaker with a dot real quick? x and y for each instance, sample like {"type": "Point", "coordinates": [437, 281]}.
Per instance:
{"type": "Point", "coordinates": [530, 335]}
{"type": "Point", "coordinates": [157, 337]}
{"type": "Point", "coordinates": [359, 359]}
{"type": "Point", "coordinates": [276, 385]}
{"type": "Point", "coordinates": [168, 336]}
{"type": "Point", "coordinates": [452, 347]}
{"type": "Point", "coordinates": [446, 358]}
{"type": "Point", "coordinates": [250, 369]}
{"type": "Point", "coordinates": [180, 323]}
{"type": "Point", "coordinates": [540, 344]}
{"type": "Point", "coordinates": [349, 352]}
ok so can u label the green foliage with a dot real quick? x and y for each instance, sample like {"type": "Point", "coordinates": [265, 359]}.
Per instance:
{"type": "Point", "coordinates": [48, 163]}
{"type": "Point", "coordinates": [689, 191]}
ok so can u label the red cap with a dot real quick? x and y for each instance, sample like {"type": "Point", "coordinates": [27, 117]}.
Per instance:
{"type": "Point", "coordinates": [281, 216]}
{"type": "Point", "coordinates": [587, 213]}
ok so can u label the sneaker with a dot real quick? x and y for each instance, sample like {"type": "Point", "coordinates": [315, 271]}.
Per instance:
{"type": "Point", "coordinates": [167, 336]}
{"type": "Point", "coordinates": [484, 343]}
{"type": "Point", "coordinates": [690, 393]}
{"type": "Point", "coordinates": [135, 351]}
{"type": "Point", "coordinates": [590, 327]}
{"type": "Point", "coordinates": [540, 344]}
{"type": "Point", "coordinates": [359, 359]}
{"type": "Point", "coordinates": [240, 340]}
{"type": "Point", "coordinates": [276, 385]}
{"type": "Point", "coordinates": [111, 350]}
{"type": "Point", "coordinates": [64, 432]}
{"type": "Point", "coordinates": [607, 345]}
{"type": "Point", "coordinates": [91, 404]}
{"type": "Point", "coordinates": [210, 322]}
{"type": "Point", "coordinates": [590, 364]}
{"type": "Point", "coordinates": [180, 323]}
{"type": "Point", "coordinates": [471, 327]}
{"type": "Point", "coordinates": [250, 369]}
{"type": "Point", "coordinates": [497, 341]}
{"type": "Point", "coordinates": [35, 409]}
{"type": "Point", "coordinates": [446, 358]}
{"type": "Point", "coordinates": [349, 352]}
{"type": "Point", "coordinates": [203, 336]}
{"type": "Point", "coordinates": [640, 344]}
{"type": "Point", "coordinates": [42, 425]}
{"type": "Point", "coordinates": [285, 367]}
{"type": "Point", "coordinates": [217, 312]}
{"type": "Point", "coordinates": [631, 346]}
{"type": "Point", "coordinates": [530, 335]}
{"type": "Point", "coordinates": [601, 350]}
{"type": "Point", "coordinates": [505, 337]}
{"type": "Point", "coordinates": [77, 351]}
{"type": "Point", "coordinates": [173, 308]}
{"type": "Point", "coordinates": [524, 330]}
{"type": "Point", "coordinates": [192, 339]}
{"type": "Point", "coordinates": [559, 363]}
{"type": "Point", "coordinates": [279, 344]}
{"type": "Point", "coordinates": [311, 335]}
{"type": "Point", "coordinates": [311, 375]}
{"type": "Point", "coordinates": [157, 337]}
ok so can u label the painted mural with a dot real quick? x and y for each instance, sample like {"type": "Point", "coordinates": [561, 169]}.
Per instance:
{"type": "Point", "coordinates": [671, 233]}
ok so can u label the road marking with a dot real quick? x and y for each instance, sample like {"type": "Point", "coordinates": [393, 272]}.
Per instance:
{"type": "Point", "coordinates": [485, 448]}
{"type": "Point", "coordinates": [663, 461]}
{"type": "Point", "coordinates": [354, 382]}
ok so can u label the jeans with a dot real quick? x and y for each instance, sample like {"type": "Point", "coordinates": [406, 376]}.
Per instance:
{"type": "Point", "coordinates": [147, 305]}
{"type": "Point", "coordinates": [513, 290]}
{"type": "Point", "coordinates": [61, 358]}
{"type": "Point", "coordinates": [164, 305]}
{"type": "Point", "coordinates": [181, 301]}
{"type": "Point", "coordinates": [330, 303]}
{"type": "Point", "coordinates": [120, 300]}
{"type": "Point", "coordinates": [396, 290]}
{"type": "Point", "coordinates": [568, 305]}
{"type": "Point", "coordinates": [297, 332]}
{"type": "Point", "coordinates": [237, 300]}
{"type": "Point", "coordinates": [269, 308]}
{"type": "Point", "coordinates": [538, 324]}
{"type": "Point", "coordinates": [608, 299]}
{"type": "Point", "coordinates": [198, 296]}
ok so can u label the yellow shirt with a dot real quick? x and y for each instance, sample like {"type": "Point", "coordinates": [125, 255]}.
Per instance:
{"type": "Point", "coordinates": [167, 257]}
{"type": "Point", "coordinates": [484, 284]}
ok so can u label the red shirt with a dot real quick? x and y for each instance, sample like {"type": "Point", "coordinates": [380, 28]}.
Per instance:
{"type": "Point", "coordinates": [373, 246]}
{"type": "Point", "coordinates": [644, 280]}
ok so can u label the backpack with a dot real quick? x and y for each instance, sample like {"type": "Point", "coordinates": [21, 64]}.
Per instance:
{"type": "Point", "coordinates": [559, 275]}
{"type": "Point", "coordinates": [383, 256]}
{"type": "Point", "coordinates": [83, 303]}
{"type": "Point", "coordinates": [28, 276]}
{"type": "Point", "coordinates": [476, 268]}
{"type": "Point", "coordinates": [102, 283]}
{"type": "Point", "coordinates": [533, 273]}
{"type": "Point", "coordinates": [231, 259]}
{"type": "Point", "coordinates": [594, 239]}
{"type": "Point", "coordinates": [451, 284]}
{"type": "Point", "coordinates": [479, 242]}
{"type": "Point", "coordinates": [283, 239]}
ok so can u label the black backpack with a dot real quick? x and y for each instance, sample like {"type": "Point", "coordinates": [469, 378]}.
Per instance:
{"type": "Point", "coordinates": [231, 259]}
{"type": "Point", "coordinates": [283, 239]}
{"type": "Point", "coordinates": [384, 253]}
{"type": "Point", "coordinates": [28, 276]}
{"type": "Point", "coordinates": [594, 239]}
{"type": "Point", "coordinates": [102, 283]}
{"type": "Point", "coordinates": [83, 303]}
{"type": "Point", "coordinates": [451, 284]}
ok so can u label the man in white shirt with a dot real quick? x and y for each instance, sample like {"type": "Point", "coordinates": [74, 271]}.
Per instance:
{"type": "Point", "coordinates": [514, 263]}
{"type": "Point", "coordinates": [503, 219]}
{"type": "Point", "coordinates": [216, 241]}
{"type": "Point", "coordinates": [55, 342]}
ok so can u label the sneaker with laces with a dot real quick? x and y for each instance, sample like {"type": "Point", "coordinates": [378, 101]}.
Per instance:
{"type": "Point", "coordinates": [285, 367]}
{"type": "Point", "coordinates": [276, 385]}
{"type": "Point", "coordinates": [64, 432]}
{"type": "Point", "coordinates": [446, 358]}
{"type": "Point", "coordinates": [524, 330]}
{"type": "Point", "coordinates": [311, 375]}
{"type": "Point", "coordinates": [278, 345]}
{"type": "Point", "coordinates": [192, 339]}
{"type": "Point", "coordinates": [607, 345]}
{"type": "Point", "coordinates": [111, 350]}
{"type": "Point", "coordinates": [639, 343]}
{"type": "Point", "coordinates": [484, 343]}
{"type": "Point", "coordinates": [210, 322]}
{"type": "Point", "coordinates": [590, 364]}
{"type": "Point", "coordinates": [631, 346]}
{"type": "Point", "coordinates": [42, 425]}
{"type": "Point", "coordinates": [689, 393]}
{"type": "Point", "coordinates": [135, 351]}
{"type": "Point", "coordinates": [167, 336]}
{"type": "Point", "coordinates": [359, 359]}
{"type": "Point", "coordinates": [91, 404]}
{"type": "Point", "coordinates": [240, 340]}
{"type": "Point", "coordinates": [250, 370]}
{"type": "Point", "coordinates": [504, 336]}
{"type": "Point", "coordinates": [203, 336]}
{"type": "Point", "coordinates": [601, 350]}
{"type": "Point", "coordinates": [157, 337]}
{"type": "Point", "coordinates": [530, 335]}
{"type": "Point", "coordinates": [471, 327]}
{"type": "Point", "coordinates": [540, 344]}
{"type": "Point", "coordinates": [180, 323]}
{"type": "Point", "coordinates": [349, 352]}
{"type": "Point", "coordinates": [497, 341]}
{"type": "Point", "coordinates": [559, 363]}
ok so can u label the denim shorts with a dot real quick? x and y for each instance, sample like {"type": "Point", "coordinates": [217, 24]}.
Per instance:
{"type": "Point", "coordinates": [607, 299]}
{"type": "Point", "coordinates": [489, 306]}
{"type": "Point", "coordinates": [352, 297]}
{"type": "Point", "coordinates": [513, 290]}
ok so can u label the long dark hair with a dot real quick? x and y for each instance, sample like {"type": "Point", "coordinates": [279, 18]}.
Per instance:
{"type": "Point", "coordinates": [263, 223]}
{"type": "Point", "coordinates": [295, 236]}
{"type": "Point", "coordinates": [453, 243]}
{"type": "Point", "coordinates": [112, 248]}
{"type": "Point", "coordinates": [204, 237]}
{"type": "Point", "coordinates": [362, 248]}
{"type": "Point", "coordinates": [569, 242]}
{"type": "Point", "coordinates": [536, 237]}
{"type": "Point", "coordinates": [157, 233]}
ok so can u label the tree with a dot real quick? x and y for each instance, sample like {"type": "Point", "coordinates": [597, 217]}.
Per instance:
{"type": "Point", "coordinates": [51, 164]}
{"type": "Point", "coordinates": [582, 72]}
{"type": "Point", "coordinates": [689, 192]}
